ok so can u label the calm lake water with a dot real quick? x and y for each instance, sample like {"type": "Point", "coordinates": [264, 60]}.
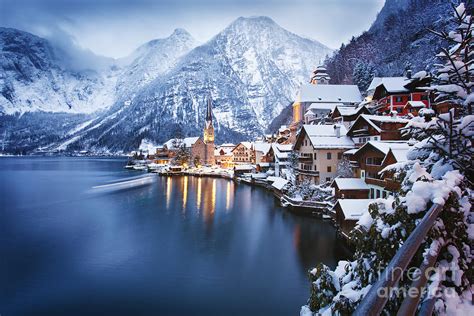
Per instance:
{"type": "Point", "coordinates": [181, 246]}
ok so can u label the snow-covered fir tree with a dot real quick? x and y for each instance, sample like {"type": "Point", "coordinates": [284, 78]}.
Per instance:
{"type": "Point", "coordinates": [344, 168]}
{"type": "Point", "coordinates": [455, 79]}
{"type": "Point", "coordinates": [363, 74]}
{"type": "Point", "coordinates": [438, 170]}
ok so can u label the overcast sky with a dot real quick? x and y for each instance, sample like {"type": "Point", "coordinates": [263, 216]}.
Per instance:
{"type": "Point", "coordinates": [115, 28]}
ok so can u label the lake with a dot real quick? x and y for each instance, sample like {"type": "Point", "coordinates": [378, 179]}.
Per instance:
{"type": "Point", "coordinates": [180, 246]}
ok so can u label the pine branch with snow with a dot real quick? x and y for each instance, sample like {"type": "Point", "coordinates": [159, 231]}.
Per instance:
{"type": "Point", "coordinates": [455, 76]}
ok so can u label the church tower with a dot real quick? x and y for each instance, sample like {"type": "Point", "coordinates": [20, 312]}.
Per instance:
{"type": "Point", "coordinates": [320, 76]}
{"type": "Point", "coordinates": [209, 136]}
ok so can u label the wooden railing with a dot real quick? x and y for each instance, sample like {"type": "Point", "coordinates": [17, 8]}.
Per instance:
{"type": "Point", "coordinates": [373, 303]}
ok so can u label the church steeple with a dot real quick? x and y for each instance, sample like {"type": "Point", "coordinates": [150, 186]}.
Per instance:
{"type": "Point", "coordinates": [320, 76]}
{"type": "Point", "coordinates": [209, 110]}
{"type": "Point", "coordinates": [209, 128]}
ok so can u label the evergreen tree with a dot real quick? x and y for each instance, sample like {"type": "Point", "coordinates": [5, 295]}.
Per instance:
{"type": "Point", "coordinates": [455, 79]}
{"type": "Point", "coordinates": [344, 168]}
{"type": "Point", "coordinates": [363, 74]}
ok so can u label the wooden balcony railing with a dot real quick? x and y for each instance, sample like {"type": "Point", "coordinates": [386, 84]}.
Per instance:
{"type": "Point", "coordinates": [373, 303]}
{"type": "Point", "coordinates": [373, 181]}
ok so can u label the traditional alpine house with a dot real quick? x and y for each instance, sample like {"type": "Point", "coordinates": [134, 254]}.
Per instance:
{"type": "Point", "coordinates": [242, 153]}
{"type": "Point", "coordinates": [279, 154]}
{"type": "Point", "coordinates": [320, 148]}
{"type": "Point", "coordinates": [350, 188]}
{"type": "Point", "coordinates": [392, 93]}
{"type": "Point", "coordinates": [375, 127]}
{"type": "Point", "coordinates": [259, 151]}
{"type": "Point", "coordinates": [369, 160]}
{"type": "Point", "coordinates": [347, 115]}
{"type": "Point", "coordinates": [347, 213]}
{"type": "Point", "coordinates": [223, 155]}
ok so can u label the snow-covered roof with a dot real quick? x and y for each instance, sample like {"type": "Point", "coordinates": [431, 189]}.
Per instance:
{"type": "Point", "coordinates": [391, 84]}
{"type": "Point", "coordinates": [353, 209]}
{"type": "Point", "coordinates": [262, 147]}
{"type": "Point", "coordinates": [281, 150]}
{"type": "Point", "coordinates": [244, 167]}
{"type": "Point", "coordinates": [351, 184]}
{"type": "Point", "coordinates": [247, 144]}
{"type": "Point", "coordinates": [350, 151]}
{"type": "Point", "coordinates": [327, 93]}
{"type": "Point", "coordinates": [416, 104]}
{"type": "Point", "coordinates": [324, 106]}
{"type": "Point", "coordinates": [227, 145]}
{"type": "Point", "coordinates": [374, 83]}
{"type": "Point", "coordinates": [398, 148]}
{"type": "Point", "coordinates": [279, 183]}
{"type": "Point", "coordinates": [371, 119]}
{"type": "Point", "coordinates": [324, 136]}
{"type": "Point", "coordinates": [348, 110]}
{"type": "Point", "coordinates": [188, 142]}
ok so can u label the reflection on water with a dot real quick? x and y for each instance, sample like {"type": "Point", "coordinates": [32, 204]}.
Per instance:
{"type": "Point", "coordinates": [228, 196]}
{"type": "Point", "coordinates": [185, 192]}
{"type": "Point", "coordinates": [168, 192]}
{"type": "Point", "coordinates": [206, 200]}
{"type": "Point", "coordinates": [180, 246]}
{"type": "Point", "coordinates": [198, 194]}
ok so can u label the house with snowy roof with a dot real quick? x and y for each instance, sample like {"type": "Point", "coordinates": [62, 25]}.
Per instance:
{"type": "Point", "coordinates": [317, 99]}
{"type": "Point", "coordinates": [279, 154]}
{"type": "Point", "coordinates": [347, 213]}
{"type": "Point", "coordinates": [369, 160]}
{"type": "Point", "coordinates": [260, 151]}
{"type": "Point", "coordinates": [223, 155]}
{"type": "Point", "coordinates": [390, 94]}
{"type": "Point", "coordinates": [320, 148]}
{"type": "Point", "coordinates": [376, 128]}
{"type": "Point", "coordinates": [347, 115]}
{"type": "Point", "coordinates": [350, 188]}
{"type": "Point", "coordinates": [242, 153]}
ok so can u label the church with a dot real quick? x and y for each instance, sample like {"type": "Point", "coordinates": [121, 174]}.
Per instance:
{"type": "Point", "coordinates": [317, 99]}
{"type": "Point", "coordinates": [209, 147]}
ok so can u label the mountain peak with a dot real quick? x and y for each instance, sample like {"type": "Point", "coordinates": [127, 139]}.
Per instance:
{"type": "Point", "coordinates": [262, 21]}
{"type": "Point", "coordinates": [180, 32]}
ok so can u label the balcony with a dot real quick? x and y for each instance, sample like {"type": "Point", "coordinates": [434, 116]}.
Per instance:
{"type": "Point", "coordinates": [392, 184]}
{"type": "Point", "coordinates": [373, 181]}
{"type": "Point", "coordinates": [354, 164]}
{"type": "Point", "coordinates": [307, 172]}
{"type": "Point", "coordinates": [373, 168]}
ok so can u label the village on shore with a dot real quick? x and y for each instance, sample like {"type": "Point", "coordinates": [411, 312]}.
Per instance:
{"type": "Point", "coordinates": [331, 161]}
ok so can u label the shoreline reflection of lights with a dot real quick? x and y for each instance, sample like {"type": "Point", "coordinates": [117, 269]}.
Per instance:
{"type": "Point", "coordinates": [198, 192]}
{"type": "Point", "coordinates": [185, 193]}
{"type": "Point", "coordinates": [168, 192]}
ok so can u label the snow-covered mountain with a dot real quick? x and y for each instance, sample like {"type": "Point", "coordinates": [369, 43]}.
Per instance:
{"type": "Point", "coordinates": [251, 69]}
{"type": "Point", "coordinates": [151, 60]}
{"type": "Point", "coordinates": [36, 76]}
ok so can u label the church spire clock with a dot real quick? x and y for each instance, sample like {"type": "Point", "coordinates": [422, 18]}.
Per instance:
{"type": "Point", "coordinates": [209, 136]}
{"type": "Point", "coordinates": [209, 128]}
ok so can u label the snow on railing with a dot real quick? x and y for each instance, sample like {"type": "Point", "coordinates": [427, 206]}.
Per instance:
{"type": "Point", "coordinates": [373, 303]}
